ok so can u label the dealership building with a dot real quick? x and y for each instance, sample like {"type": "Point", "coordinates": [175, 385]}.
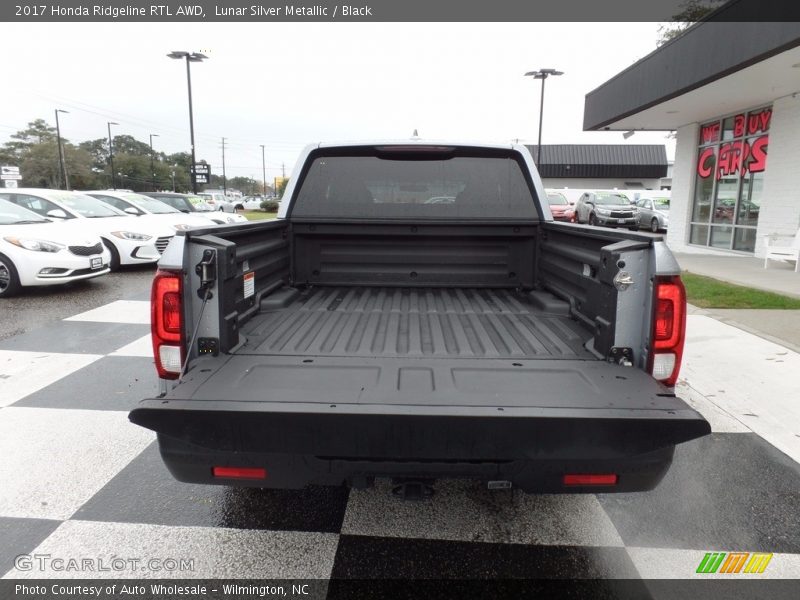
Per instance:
{"type": "Point", "coordinates": [731, 92]}
{"type": "Point", "coordinates": [602, 166]}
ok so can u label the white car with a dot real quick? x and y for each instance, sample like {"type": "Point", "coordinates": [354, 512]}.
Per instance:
{"type": "Point", "coordinates": [149, 208]}
{"type": "Point", "coordinates": [36, 251]}
{"type": "Point", "coordinates": [130, 240]}
{"type": "Point", "coordinates": [218, 201]}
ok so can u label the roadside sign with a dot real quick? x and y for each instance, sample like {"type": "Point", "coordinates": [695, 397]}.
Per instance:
{"type": "Point", "coordinates": [8, 172]}
{"type": "Point", "coordinates": [201, 172]}
{"type": "Point", "coordinates": [10, 183]}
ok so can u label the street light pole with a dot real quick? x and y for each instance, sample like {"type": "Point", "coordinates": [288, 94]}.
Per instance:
{"type": "Point", "coordinates": [64, 180]}
{"type": "Point", "coordinates": [190, 58]}
{"type": "Point", "coordinates": [224, 183]}
{"type": "Point", "coordinates": [264, 170]}
{"type": "Point", "coordinates": [542, 74]}
{"type": "Point", "coordinates": [111, 154]}
{"type": "Point", "coordinates": [152, 168]}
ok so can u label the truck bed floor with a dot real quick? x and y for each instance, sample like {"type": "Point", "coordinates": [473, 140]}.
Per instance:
{"type": "Point", "coordinates": [408, 322]}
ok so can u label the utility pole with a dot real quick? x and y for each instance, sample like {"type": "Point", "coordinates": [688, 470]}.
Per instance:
{"type": "Point", "coordinates": [111, 154]}
{"type": "Point", "coordinates": [264, 170]}
{"type": "Point", "coordinates": [64, 179]}
{"type": "Point", "coordinates": [152, 168]}
{"type": "Point", "coordinates": [283, 170]}
{"type": "Point", "coordinates": [224, 184]}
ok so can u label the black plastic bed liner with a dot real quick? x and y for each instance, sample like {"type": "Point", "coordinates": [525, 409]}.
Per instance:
{"type": "Point", "coordinates": [408, 322]}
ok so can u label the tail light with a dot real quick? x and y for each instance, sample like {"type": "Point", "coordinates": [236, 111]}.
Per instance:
{"type": "Point", "coordinates": [669, 329]}
{"type": "Point", "coordinates": [166, 323]}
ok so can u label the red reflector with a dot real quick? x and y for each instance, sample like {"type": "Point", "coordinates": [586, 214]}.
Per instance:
{"type": "Point", "coordinates": [591, 479]}
{"type": "Point", "coordinates": [665, 316]}
{"type": "Point", "coordinates": [240, 472]}
{"type": "Point", "coordinates": [172, 312]}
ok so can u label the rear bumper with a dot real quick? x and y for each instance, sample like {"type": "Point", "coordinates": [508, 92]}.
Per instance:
{"type": "Point", "coordinates": [531, 448]}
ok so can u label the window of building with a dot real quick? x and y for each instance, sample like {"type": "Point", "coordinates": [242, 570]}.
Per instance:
{"type": "Point", "coordinates": [731, 160]}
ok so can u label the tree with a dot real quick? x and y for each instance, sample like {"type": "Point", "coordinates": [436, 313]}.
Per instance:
{"type": "Point", "coordinates": [126, 144]}
{"type": "Point", "coordinates": [693, 11]}
{"type": "Point", "coordinates": [37, 132]}
{"type": "Point", "coordinates": [282, 187]}
{"type": "Point", "coordinates": [38, 168]}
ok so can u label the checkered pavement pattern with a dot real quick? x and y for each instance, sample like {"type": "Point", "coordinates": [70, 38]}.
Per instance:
{"type": "Point", "coordinates": [78, 480]}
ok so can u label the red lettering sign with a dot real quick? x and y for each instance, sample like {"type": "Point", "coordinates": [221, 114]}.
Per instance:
{"type": "Point", "coordinates": [759, 122]}
{"type": "Point", "coordinates": [709, 133]}
{"type": "Point", "coordinates": [730, 158]}
{"type": "Point", "coordinates": [738, 126]}
{"type": "Point", "coordinates": [759, 153]}
{"type": "Point", "coordinates": [705, 163]}
{"type": "Point", "coordinates": [738, 156]}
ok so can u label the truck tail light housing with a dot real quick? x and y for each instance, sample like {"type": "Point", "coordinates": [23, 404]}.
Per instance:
{"type": "Point", "coordinates": [669, 329]}
{"type": "Point", "coordinates": [166, 323]}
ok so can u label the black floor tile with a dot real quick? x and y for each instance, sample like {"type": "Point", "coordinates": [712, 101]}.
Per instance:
{"type": "Point", "coordinates": [726, 491]}
{"type": "Point", "coordinates": [363, 557]}
{"type": "Point", "coordinates": [109, 383]}
{"type": "Point", "coordinates": [145, 492]}
{"type": "Point", "coordinates": [77, 337]}
{"type": "Point", "coordinates": [21, 536]}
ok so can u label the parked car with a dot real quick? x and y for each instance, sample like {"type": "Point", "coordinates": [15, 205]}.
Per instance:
{"type": "Point", "coordinates": [560, 207]}
{"type": "Point", "coordinates": [610, 208]}
{"type": "Point", "coordinates": [150, 208]}
{"type": "Point", "coordinates": [251, 202]}
{"type": "Point", "coordinates": [218, 201]}
{"type": "Point", "coordinates": [129, 239]}
{"type": "Point", "coordinates": [652, 212]}
{"type": "Point", "coordinates": [190, 203]}
{"type": "Point", "coordinates": [36, 251]}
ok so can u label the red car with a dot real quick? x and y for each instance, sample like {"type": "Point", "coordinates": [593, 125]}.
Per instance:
{"type": "Point", "coordinates": [560, 207]}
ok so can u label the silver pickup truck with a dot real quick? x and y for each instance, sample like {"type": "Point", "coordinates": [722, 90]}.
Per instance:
{"type": "Point", "coordinates": [415, 313]}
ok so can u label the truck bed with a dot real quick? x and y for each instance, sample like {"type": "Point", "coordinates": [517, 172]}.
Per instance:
{"type": "Point", "coordinates": [409, 322]}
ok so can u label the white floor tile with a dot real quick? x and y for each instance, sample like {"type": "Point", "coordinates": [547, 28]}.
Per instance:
{"type": "Point", "coordinates": [214, 552]}
{"type": "Point", "coordinates": [467, 511]}
{"type": "Point", "coordinates": [142, 347]}
{"type": "Point", "coordinates": [22, 373]}
{"type": "Point", "coordinates": [121, 311]}
{"type": "Point", "coordinates": [753, 380]}
{"type": "Point", "coordinates": [55, 460]}
{"type": "Point", "coordinates": [719, 419]}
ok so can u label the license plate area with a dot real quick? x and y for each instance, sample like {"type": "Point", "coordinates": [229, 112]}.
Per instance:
{"type": "Point", "coordinates": [620, 220]}
{"type": "Point", "coordinates": [96, 262]}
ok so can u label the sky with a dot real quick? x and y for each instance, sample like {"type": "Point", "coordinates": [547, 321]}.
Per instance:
{"type": "Point", "coordinates": [285, 85]}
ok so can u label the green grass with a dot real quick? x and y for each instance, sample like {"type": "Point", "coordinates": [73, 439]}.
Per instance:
{"type": "Point", "coordinates": [706, 292]}
{"type": "Point", "coordinates": [258, 215]}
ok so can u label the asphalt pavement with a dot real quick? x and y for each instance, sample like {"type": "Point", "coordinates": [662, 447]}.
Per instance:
{"type": "Point", "coordinates": [36, 307]}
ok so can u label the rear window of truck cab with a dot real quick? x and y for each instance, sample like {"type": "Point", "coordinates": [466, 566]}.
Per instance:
{"type": "Point", "coordinates": [419, 184]}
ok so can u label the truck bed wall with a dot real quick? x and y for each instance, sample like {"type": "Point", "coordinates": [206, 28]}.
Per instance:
{"type": "Point", "coordinates": [576, 264]}
{"type": "Point", "coordinates": [492, 256]}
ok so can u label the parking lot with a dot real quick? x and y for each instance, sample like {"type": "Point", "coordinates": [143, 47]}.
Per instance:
{"type": "Point", "coordinates": [80, 480]}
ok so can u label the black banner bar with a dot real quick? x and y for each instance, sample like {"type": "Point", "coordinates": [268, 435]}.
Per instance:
{"type": "Point", "coordinates": [729, 587]}
{"type": "Point", "coordinates": [265, 11]}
